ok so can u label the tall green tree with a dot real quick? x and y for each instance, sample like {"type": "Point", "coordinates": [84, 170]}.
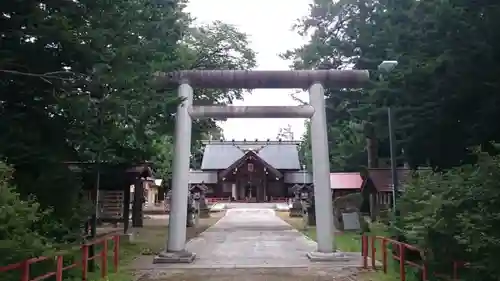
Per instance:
{"type": "Point", "coordinates": [435, 87]}
{"type": "Point", "coordinates": [444, 94]}
{"type": "Point", "coordinates": [75, 85]}
{"type": "Point", "coordinates": [214, 46]}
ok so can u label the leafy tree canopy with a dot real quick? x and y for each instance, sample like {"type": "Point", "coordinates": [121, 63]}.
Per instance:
{"type": "Point", "coordinates": [444, 94]}
{"type": "Point", "coordinates": [75, 85]}
{"type": "Point", "coordinates": [443, 90]}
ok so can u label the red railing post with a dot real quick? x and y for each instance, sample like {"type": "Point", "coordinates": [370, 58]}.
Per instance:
{"type": "Point", "coordinates": [85, 262]}
{"type": "Point", "coordinates": [104, 258]}
{"type": "Point", "coordinates": [402, 271]}
{"type": "Point", "coordinates": [59, 268]}
{"type": "Point", "coordinates": [374, 251]}
{"type": "Point", "coordinates": [25, 271]}
{"type": "Point", "coordinates": [116, 252]}
{"type": "Point", "coordinates": [384, 254]}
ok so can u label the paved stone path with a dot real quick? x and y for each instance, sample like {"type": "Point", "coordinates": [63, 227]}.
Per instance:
{"type": "Point", "coordinates": [251, 238]}
{"type": "Point", "coordinates": [251, 244]}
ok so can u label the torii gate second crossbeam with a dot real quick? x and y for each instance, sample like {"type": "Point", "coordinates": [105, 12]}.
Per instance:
{"type": "Point", "coordinates": [314, 80]}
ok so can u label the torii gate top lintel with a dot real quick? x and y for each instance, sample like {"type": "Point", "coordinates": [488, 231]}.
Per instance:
{"type": "Point", "coordinates": [264, 79]}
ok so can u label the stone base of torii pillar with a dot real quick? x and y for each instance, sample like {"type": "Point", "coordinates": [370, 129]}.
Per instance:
{"type": "Point", "coordinates": [331, 257]}
{"type": "Point", "coordinates": [174, 257]}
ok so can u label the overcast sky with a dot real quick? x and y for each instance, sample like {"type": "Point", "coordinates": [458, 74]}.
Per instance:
{"type": "Point", "coordinates": [268, 24]}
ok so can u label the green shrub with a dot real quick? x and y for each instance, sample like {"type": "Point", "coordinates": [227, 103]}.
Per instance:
{"type": "Point", "coordinates": [455, 216]}
{"type": "Point", "coordinates": [20, 225]}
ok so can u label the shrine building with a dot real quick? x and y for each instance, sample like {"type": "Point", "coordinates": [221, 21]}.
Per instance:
{"type": "Point", "coordinates": [254, 171]}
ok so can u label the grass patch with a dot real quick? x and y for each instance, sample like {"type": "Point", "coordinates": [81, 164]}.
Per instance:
{"type": "Point", "coordinates": [150, 240]}
{"type": "Point", "coordinates": [378, 276]}
{"type": "Point", "coordinates": [345, 241]}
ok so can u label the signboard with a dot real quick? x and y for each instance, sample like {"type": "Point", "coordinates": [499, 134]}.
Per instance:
{"type": "Point", "coordinates": [351, 221]}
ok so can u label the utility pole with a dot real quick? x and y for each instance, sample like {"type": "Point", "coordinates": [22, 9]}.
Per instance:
{"type": "Point", "coordinates": [392, 146]}
{"type": "Point", "coordinates": [386, 67]}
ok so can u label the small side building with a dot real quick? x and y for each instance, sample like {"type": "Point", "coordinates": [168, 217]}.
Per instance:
{"type": "Point", "coordinates": [377, 184]}
{"type": "Point", "coordinates": [345, 183]}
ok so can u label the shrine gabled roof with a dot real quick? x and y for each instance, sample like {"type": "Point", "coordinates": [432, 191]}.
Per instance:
{"type": "Point", "coordinates": [281, 156]}
{"type": "Point", "coordinates": [251, 155]}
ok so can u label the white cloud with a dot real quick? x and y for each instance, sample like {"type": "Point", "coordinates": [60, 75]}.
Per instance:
{"type": "Point", "coordinates": [268, 24]}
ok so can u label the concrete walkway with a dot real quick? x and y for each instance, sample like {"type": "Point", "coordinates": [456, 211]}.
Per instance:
{"type": "Point", "coordinates": [251, 238]}
{"type": "Point", "coordinates": [250, 244]}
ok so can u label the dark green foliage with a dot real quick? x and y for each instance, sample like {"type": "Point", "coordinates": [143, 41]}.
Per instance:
{"type": "Point", "coordinates": [454, 216]}
{"type": "Point", "coordinates": [24, 227]}
{"type": "Point", "coordinates": [75, 85]}
{"type": "Point", "coordinates": [445, 96]}
{"type": "Point", "coordinates": [443, 90]}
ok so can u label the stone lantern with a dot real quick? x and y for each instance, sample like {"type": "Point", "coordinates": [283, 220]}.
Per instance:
{"type": "Point", "coordinates": [305, 195]}
{"type": "Point", "coordinates": [192, 209]}
{"type": "Point", "coordinates": [302, 194]}
{"type": "Point", "coordinates": [198, 192]}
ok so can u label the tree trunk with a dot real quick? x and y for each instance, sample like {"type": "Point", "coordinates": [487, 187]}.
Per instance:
{"type": "Point", "coordinates": [371, 145]}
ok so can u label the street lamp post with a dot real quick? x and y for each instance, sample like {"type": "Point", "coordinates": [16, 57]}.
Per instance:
{"type": "Point", "coordinates": [386, 67]}
{"type": "Point", "coordinates": [392, 147]}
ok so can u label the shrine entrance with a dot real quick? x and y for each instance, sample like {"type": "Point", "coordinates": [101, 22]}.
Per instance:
{"type": "Point", "coordinates": [313, 80]}
{"type": "Point", "coordinates": [251, 193]}
{"type": "Point", "coordinates": [250, 176]}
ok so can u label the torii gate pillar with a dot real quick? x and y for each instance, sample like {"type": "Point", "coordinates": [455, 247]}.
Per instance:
{"type": "Point", "coordinates": [176, 252]}
{"type": "Point", "coordinates": [321, 170]}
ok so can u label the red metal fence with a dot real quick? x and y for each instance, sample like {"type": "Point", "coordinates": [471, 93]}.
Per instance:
{"type": "Point", "coordinates": [374, 248]}
{"type": "Point", "coordinates": [373, 245]}
{"type": "Point", "coordinates": [24, 266]}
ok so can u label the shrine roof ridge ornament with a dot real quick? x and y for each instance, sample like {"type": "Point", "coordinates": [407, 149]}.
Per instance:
{"type": "Point", "coordinates": [251, 142]}
{"type": "Point", "coordinates": [263, 79]}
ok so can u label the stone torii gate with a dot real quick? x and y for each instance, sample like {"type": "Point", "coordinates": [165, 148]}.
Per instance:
{"type": "Point", "coordinates": [314, 80]}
